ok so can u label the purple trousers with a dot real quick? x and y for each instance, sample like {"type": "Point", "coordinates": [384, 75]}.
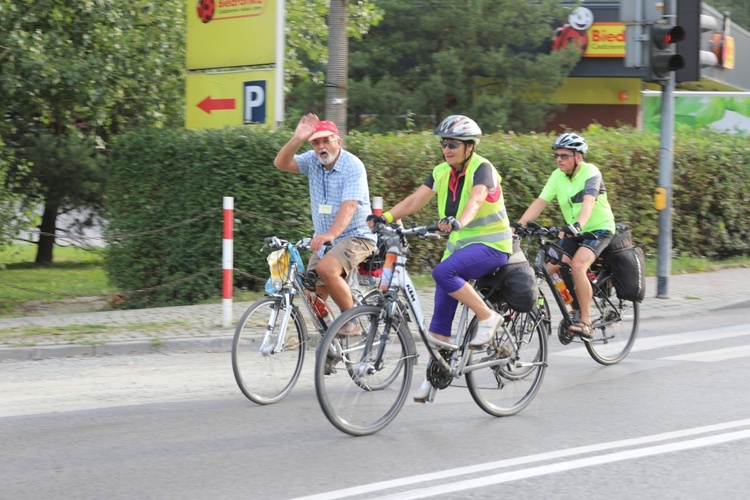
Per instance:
{"type": "Point", "coordinates": [470, 262]}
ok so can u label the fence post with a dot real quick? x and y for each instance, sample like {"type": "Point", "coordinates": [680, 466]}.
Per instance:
{"type": "Point", "coordinates": [227, 261]}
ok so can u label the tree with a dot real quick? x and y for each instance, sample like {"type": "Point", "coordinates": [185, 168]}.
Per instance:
{"type": "Point", "coordinates": [96, 68]}
{"type": "Point", "coordinates": [8, 200]}
{"type": "Point", "coordinates": [739, 10]}
{"type": "Point", "coordinates": [307, 49]}
{"type": "Point", "coordinates": [336, 74]}
{"type": "Point", "coordinates": [89, 68]}
{"type": "Point", "coordinates": [70, 171]}
{"type": "Point", "coordinates": [483, 58]}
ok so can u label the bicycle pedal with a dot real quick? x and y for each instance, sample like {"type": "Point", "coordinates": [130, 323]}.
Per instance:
{"type": "Point", "coordinates": [330, 365]}
{"type": "Point", "coordinates": [427, 399]}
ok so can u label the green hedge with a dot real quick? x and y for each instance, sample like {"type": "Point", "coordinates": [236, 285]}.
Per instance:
{"type": "Point", "coordinates": [166, 177]}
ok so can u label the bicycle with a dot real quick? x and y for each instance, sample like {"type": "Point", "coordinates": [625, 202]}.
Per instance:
{"type": "Point", "coordinates": [362, 389]}
{"type": "Point", "coordinates": [614, 321]}
{"type": "Point", "coordinates": [271, 338]}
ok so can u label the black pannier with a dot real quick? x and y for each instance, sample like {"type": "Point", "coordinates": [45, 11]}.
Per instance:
{"type": "Point", "coordinates": [628, 266]}
{"type": "Point", "coordinates": [513, 284]}
{"type": "Point", "coordinates": [622, 240]}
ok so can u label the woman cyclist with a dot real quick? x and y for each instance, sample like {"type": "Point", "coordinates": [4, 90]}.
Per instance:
{"type": "Point", "coordinates": [471, 209]}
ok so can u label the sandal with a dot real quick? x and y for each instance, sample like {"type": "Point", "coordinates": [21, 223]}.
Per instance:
{"type": "Point", "coordinates": [351, 329]}
{"type": "Point", "coordinates": [583, 329]}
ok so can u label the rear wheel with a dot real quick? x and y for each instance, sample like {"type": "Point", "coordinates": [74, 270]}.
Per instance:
{"type": "Point", "coordinates": [615, 324]}
{"type": "Point", "coordinates": [263, 373]}
{"type": "Point", "coordinates": [358, 395]}
{"type": "Point", "coordinates": [504, 377]}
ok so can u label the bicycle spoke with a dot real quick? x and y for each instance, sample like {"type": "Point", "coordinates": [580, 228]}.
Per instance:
{"type": "Point", "coordinates": [263, 373]}
{"type": "Point", "coordinates": [357, 394]}
{"type": "Point", "coordinates": [615, 324]}
{"type": "Point", "coordinates": [508, 386]}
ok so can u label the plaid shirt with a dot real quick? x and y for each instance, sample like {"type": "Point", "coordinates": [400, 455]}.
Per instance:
{"type": "Point", "coordinates": [347, 180]}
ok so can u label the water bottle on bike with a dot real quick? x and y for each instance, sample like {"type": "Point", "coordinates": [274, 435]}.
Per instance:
{"type": "Point", "coordinates": [564, 292]}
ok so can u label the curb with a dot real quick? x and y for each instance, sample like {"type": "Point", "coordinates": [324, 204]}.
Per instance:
{"type": "Point", "coordinates": [224, 343]}
{"type": "Point", "coordinates": [132, 347]}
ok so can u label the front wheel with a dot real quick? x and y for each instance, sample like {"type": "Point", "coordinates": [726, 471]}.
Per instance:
{"type": "Point", "coordinates": [614, 322]}
{"type": "Point", "coordinates": [264, 372]}
{"type": "Point", "coordinates": [505, 376]}
{"type": "Point", "coordinates": [359, 390]}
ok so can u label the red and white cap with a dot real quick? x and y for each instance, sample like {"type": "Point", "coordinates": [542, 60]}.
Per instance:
{"type": "Point", "coordinates": [324, 128]}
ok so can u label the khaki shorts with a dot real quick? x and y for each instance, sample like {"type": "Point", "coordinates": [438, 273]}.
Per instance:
{"type": "Point", "coordinates": [349, 252]}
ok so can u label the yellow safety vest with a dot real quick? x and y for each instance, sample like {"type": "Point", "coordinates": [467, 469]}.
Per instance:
{"type": "Point", "coordinates": [490, 226]}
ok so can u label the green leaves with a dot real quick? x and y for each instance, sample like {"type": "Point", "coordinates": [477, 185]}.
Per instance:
{"type": "Point", "coordinates": [92, 65]}
{"type": "Point", "coordinates": [484, 59]}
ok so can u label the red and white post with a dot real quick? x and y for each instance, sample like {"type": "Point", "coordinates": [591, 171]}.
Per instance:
{"type": "Point", "coordinates": [377, 205]}
{"type": "Point", "coordinates": [227, 262]}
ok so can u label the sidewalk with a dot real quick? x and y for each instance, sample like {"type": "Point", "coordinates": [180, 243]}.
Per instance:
{"type": "Point", "coordinates": [199, 328]}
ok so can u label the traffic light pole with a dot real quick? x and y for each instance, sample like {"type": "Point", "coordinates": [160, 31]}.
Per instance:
{"type": "Point", "coordinates": [666, 175]}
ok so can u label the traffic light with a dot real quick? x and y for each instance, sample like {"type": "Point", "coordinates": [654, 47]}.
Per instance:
{"type": "Point", "coordinates": [699, 28]}
{"type": "Point", "coordinates": [663, 58]}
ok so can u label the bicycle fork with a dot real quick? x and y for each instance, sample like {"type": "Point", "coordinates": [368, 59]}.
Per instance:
{"type": "Point", "coordinates": [268, 348]}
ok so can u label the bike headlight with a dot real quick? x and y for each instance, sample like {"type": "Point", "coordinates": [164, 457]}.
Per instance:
{"type": "Point", "coordinates": [277, 285]}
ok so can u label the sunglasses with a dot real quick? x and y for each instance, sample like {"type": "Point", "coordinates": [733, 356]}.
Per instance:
{"type": "Point", "coordinates": [322, 142]}
{"type": "Point", "coordinates": [450, 144]}
{"type": "Point", "coordinates": [562, 156]}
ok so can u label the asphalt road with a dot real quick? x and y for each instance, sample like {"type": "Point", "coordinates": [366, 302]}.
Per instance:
{"type": "Point", "coordinates": [671, 421]}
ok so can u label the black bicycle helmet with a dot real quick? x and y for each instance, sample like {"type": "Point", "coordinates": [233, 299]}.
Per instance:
{"type": "Point", "coordinates": [459, 127]}
{"type": "Point", "coordinates": [572, 142]}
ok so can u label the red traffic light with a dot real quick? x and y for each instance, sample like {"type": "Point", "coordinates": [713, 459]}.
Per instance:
{"type": "Point", "coordinates": [662, 35]}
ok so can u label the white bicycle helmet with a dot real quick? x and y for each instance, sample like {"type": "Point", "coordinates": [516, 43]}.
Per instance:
{"type": "Point", "coordinates": [459, 127]}
{"type": "Point", "coordinates": [572, 142]}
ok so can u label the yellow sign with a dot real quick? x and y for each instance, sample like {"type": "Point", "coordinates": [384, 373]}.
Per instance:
{"type": "Point", "coordinates": [605, 40]}
{"type": "Point", "coordinates": [227, 33]}
{"type": "Point", "coordinates": [226, 99]}
{"type": "Point", "coordinates": [660, 198]}
{"type": "Point", "coordinates": [727, 61]}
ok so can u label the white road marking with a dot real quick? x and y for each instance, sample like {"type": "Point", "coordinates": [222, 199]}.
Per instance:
{"type": "Point", "coordinates": [568, 465]}
{"type": "Point", "coordinates": [550, 468]}
{"type": "Point", "coordinates": [676, 339]}
{"type": "Point", "coordinates": [713, 356]}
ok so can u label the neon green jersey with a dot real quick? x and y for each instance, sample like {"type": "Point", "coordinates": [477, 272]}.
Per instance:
{"type": "Point", "coordinates": [570, 193]}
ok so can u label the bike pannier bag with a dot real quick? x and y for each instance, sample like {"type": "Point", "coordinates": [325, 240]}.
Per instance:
{"type": "Point", "coordinates": [622, 240]}
{"type": "Point", "coordinates": [628, 268]}
{"type": "Point", "coordinates": [513, 284]}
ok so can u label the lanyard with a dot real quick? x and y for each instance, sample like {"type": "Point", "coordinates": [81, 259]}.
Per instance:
{"type": "Point", "coordinates": [325, 179]}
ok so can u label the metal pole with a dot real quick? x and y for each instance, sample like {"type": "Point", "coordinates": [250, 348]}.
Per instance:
{"type": "Point", "coordinates": [280, 48]}
{"type": "Point", "coordinates": [666, 159]}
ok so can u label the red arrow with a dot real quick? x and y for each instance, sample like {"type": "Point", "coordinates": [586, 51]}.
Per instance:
{"type": "Point", "coordinates": [209, 104]}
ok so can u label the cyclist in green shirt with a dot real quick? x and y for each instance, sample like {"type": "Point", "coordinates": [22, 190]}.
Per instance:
{"type": "Point", "coordinates": [579, 189]}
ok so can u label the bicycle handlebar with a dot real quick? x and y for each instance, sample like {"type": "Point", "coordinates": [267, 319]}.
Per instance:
{"type": "Point", "coordinates": [533, 229]}
{"type": "Point", "coordinates": [274, 242]}
{"type": "Point", "coordinates": [396, 229]}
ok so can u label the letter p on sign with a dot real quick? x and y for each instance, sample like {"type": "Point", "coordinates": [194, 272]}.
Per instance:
{"type": "Point", "coordinates": [255, 102]}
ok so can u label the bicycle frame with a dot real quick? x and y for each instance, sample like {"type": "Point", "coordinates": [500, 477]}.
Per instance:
{"type": "Point", "coordinates": [295, 285]}
{"type": "Point", "coordinates": [401, 283]}
{"type": "Point", "coordinates": [273, 334]}
{"type": "Point", "coordinates": [373, 378]}
{"type": "Point", "coordinates": [615, 322]}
